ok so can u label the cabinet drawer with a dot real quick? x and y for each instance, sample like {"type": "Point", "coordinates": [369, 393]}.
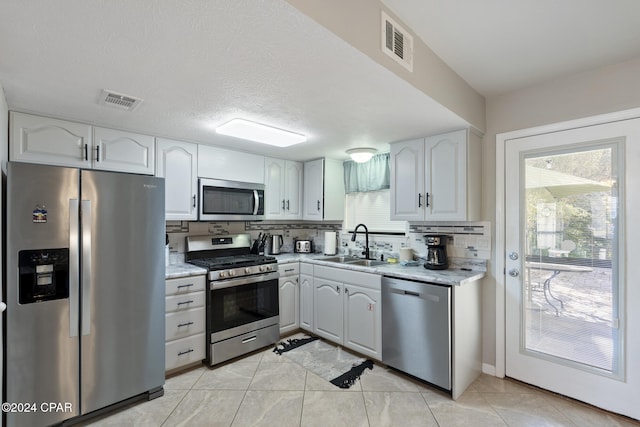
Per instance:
{"type": "Point", "coordinates": [181, 324]}
{"type": "Point", "coordinates": [183, 285]}
{"type": "Point", "coordinates": [291, 269]}
{"type": "Point", "coordinates": [306, 268]}
{"type": "Point", "coordinates": [342, 275]}
{"type": "Point", "coordinates": [185, 302]}
{"type": "Point", "coordinates": [184, 351]}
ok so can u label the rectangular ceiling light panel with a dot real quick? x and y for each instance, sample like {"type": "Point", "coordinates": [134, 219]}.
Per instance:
{"type": "Point", "coordinates": [252, 131]}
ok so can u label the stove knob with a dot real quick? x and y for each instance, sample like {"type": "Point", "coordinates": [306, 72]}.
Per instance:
{"type": "Point", "coordinates": [223, 274]}
{"type": "Point", "coordinates": [232, 273]}
{"type": "Point", "coordinates": [263, 267]}
{"type": "Point", "coordinates": [269, 268]}
{"type": "Point", "coordinates": [247, 270]}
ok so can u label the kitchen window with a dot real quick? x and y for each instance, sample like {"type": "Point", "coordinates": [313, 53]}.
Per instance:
{"type": "Point", "coordinates": [373, 209]}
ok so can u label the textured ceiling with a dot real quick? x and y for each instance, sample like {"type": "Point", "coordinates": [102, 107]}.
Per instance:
{"type": "Point", "coordinates": [199, 63]}
{"type": "Point", "coordinates": [502, 45]}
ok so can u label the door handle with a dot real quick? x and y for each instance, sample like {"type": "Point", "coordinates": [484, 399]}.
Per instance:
{"type": "Point", "coordinates": [419, 200]}
{"type": "Point", "coordinates": [514, 272]}
{"type": "Point", "coordinates": [194, 200]}
{"type": "Point", "coordinates": [74, 268]}
{"type": "Point", "coordinates": [318, 205]}
{"type": "Point", "coordinates": [427, 199]}
{"type": "Point", "coordinates": [181, 325]}
{"type": "Point", "coordinates": [97, 153]}
{"type": "Point", "coordinates": [86, 266]}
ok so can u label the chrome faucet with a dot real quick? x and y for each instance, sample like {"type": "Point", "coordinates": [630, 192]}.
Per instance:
{"type": "Point", "coordinates": [366, 239]}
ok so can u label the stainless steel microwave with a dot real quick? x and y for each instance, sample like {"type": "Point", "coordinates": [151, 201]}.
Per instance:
{"type": "Point", "coordinates": [230, 200]}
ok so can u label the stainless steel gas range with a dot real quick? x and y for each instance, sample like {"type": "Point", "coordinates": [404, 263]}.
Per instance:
{"type": "Point", "coordinates": [242, 297]}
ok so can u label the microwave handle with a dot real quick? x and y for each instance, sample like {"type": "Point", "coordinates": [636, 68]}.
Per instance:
{"type": "Point", "coordinates": [256, 202]}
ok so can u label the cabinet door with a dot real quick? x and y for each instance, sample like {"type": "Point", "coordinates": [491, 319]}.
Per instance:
{"type": "Point", "coordinates": [328, 309]}
{"type": "Point", "coordinates": [220, 163]}
{"type": "Point", "coordinates": [289, 306]}
{"type": "Point", "coordinates": [306, 302]}
{"type": "Point", "coordinates": [363, 320]}
{"type": "Point", "coordinates": [293, 190]}
{"type": "Point", "coordinates": [313, 189]}
{"type": "Point", "coordinates": [121, 151]}
{"type": "Point", "coordinates": [446, 176]}
{"type": "Point", "coordinates": [407, 181]}
{"type": "Point", "coordinates": [36, 139]}
{"type": "Point", "coordinates": [274, 197]}
{"type": "Point", "coordinates": [176, 163]}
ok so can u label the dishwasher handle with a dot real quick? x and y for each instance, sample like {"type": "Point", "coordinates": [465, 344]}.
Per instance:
{"type": "Point", "coordinates": [411, 293]}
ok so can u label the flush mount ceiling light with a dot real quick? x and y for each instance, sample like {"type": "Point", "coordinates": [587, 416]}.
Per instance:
{"type": "Point", "coordinates": [361, 155]}
{"type": "Point", "coordinates": [245, 129]}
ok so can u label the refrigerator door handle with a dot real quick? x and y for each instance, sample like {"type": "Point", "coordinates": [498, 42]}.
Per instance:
{"type": "Point", "coordinates": [74, 268]}
{"type": "Point", "coordinates": [86, 267]}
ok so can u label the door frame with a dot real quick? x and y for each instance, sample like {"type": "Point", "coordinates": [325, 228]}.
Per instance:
{"type": "Point", "coordinates": [499, 268]}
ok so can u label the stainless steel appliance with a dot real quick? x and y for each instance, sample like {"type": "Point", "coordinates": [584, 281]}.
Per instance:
{"type": "Point", "coordinates": [84, 323]}
{"type": "Point", "coordinates": [242, 299]}
{"type": "Point", "coordinates": [230, 200]}
{"type": "Point", "coordinates": [274, 244]}
{"type": "Point", "coordinates": [436, 252]}
{"type": "Point", "coordinates": [303, 246]}
{"type": "Point", "coordinates": [416, 329]}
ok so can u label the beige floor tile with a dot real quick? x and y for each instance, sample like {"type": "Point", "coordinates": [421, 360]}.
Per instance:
{"type": "Point", "coordinates": [270, 408]}
{"type": "Point", "coordinates": [584, 415]}
{"type": "Point", "coordinates": [184, 380]}
{"type": "Point", "coordinates": [278, 376]}
{"type": "Point", "coordinates": [384, 379]}
{"type": "Point", "coordinates": [335, 409]}
{"type": "Point", "coordinates": [317, 383]}
{"type": "Point", "coordinates": [487, 383]}
{"type": "Point", "coordinates": [526, 409]}
{"type": "Point", "coordinates": [145, 413]}
{"type": "Point", "coordinates": [387, 409]}
{"type": "Point", "coordinates": [470, 409]}
{"type": "Point", "coordinates": [233, 376]}
{"type": "Point", "coordinates": [206, 408]}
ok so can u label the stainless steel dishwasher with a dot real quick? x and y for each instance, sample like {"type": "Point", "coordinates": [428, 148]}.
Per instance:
{"type": "Point", "coordinates": [416, 329]}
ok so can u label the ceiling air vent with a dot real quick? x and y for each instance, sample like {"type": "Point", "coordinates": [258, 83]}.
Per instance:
{"type": "Point", "coordinates": [397, 42]}
{"type": "Point", "coordinates": [118, 100]}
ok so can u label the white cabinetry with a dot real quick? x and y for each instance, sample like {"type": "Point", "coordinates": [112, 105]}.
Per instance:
{"type": "Point", "coordinates": [283, 189]}
{"type": "Point", "coordinates": [117, 150]}
{"type": "Point", "coordinates": [177, 163]}
{"type": "Point", "coordinates": [306, 296]}
{"type": "Point", "coordinates": [230, 165]}
{"type": "Point", "coordinates": [323, 190]}
{"type": "Point", "coordinates": [347, 309]}
{"type": "Point", "coordinates": [184, 322]}
{"type": "Point", "coordinates": [36, 139]}
{"type": "Point", "coordinates": [289, 297]}
{"type": "Point", "coordinates": [436, 178]}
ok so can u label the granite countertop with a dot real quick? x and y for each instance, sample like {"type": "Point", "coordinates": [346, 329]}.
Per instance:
{"type": "Point", "coordinates": [458, 274]}
{"type": "Point", "coordinates": [183, 269]}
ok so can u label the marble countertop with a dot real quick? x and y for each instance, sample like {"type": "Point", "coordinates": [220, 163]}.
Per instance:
{"type": "Point", "coordinates": [454, 276]}
{"type": "Point", "coordinates": [183, 269]}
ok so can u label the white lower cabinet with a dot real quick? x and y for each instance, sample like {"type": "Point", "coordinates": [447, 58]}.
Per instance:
{"type": "Point", "coordinates": [185, 320]}
{"type": "Point", "coordinates": [288, 297]}
{"type": "Point", "coordinates": [306, 296]}
{"type": "Point", "coordinates": [347, 309]}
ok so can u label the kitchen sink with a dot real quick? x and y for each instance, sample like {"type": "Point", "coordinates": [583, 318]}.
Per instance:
{"type": "Point", "coordinates": [366, 262]}
{"type": "Point", "coordinates": [341, 259]}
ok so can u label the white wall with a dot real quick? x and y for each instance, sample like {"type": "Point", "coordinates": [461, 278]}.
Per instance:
{"type": "Point", "coordinates": [604, 90]}
{"type": "Point", "coordinates": [4, 154]}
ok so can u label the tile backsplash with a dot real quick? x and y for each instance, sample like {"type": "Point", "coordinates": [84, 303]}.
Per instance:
{"type": "Point", "coordinates": [468, 239]}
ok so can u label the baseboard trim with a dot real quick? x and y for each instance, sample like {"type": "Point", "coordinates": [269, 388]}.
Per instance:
{"type": "Point", "coordinates": [489, 369]}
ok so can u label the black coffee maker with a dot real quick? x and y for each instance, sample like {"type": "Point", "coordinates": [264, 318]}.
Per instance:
{"type": "Point", "coordinates": [436, 252]}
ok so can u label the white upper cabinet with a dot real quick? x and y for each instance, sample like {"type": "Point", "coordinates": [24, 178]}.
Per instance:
{"type": "Point", "coordinates": [323, 190]}
{"type": "Point", "coordinates": [437, 178]}
{"type": "Point", "coordinates": [36, 139]}
{"type": "Point", "coordinates": [283, 189]}
{"type": "Point", "coordinates": [220, 163]}
{"type": "Point", "coordinates": [121, 151]}
{"type": "Point", "coordinates": [177, 163]}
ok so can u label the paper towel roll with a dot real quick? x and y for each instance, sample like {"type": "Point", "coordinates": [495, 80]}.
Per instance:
{"type": "Point", "coordinates": [330, 243]}
{"type": "Point", "coordinates": [406, 254]}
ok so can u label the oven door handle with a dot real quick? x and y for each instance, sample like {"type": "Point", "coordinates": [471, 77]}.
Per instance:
{"type": "Point", "coordinates": [221, 284]}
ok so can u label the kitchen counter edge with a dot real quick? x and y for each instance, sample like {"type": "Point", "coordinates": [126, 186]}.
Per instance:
{"type": "Point", "coordinates": [174, 271]}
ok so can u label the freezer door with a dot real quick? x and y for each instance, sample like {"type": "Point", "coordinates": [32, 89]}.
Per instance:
{"type": "Point", "coordinates": [122, 309]}
{"type": "Point", "coordinates": [42, 345]}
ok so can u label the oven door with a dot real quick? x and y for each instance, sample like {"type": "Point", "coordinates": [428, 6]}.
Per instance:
{"type": "Point", "coordinates": [238, 306]}
{"type": "Point", "coordinates": [230, 200]}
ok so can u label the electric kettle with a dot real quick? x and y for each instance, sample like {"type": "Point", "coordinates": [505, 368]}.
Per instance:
{"type": "Point", "coordinates": [274, 244]}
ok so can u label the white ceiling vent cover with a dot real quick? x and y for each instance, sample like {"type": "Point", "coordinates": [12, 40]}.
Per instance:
{"type": "Point", "coordinates": [397, 42]}
{"type": "Point", "coordinates": [118, 100]}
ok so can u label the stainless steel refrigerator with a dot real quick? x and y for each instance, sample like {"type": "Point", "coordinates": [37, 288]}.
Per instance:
{"type": "Point", "coordinates": [84, 287]}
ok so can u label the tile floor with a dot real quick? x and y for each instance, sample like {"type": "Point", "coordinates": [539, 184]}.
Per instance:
{"type": "Point", "coordinates": [264, 389]}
